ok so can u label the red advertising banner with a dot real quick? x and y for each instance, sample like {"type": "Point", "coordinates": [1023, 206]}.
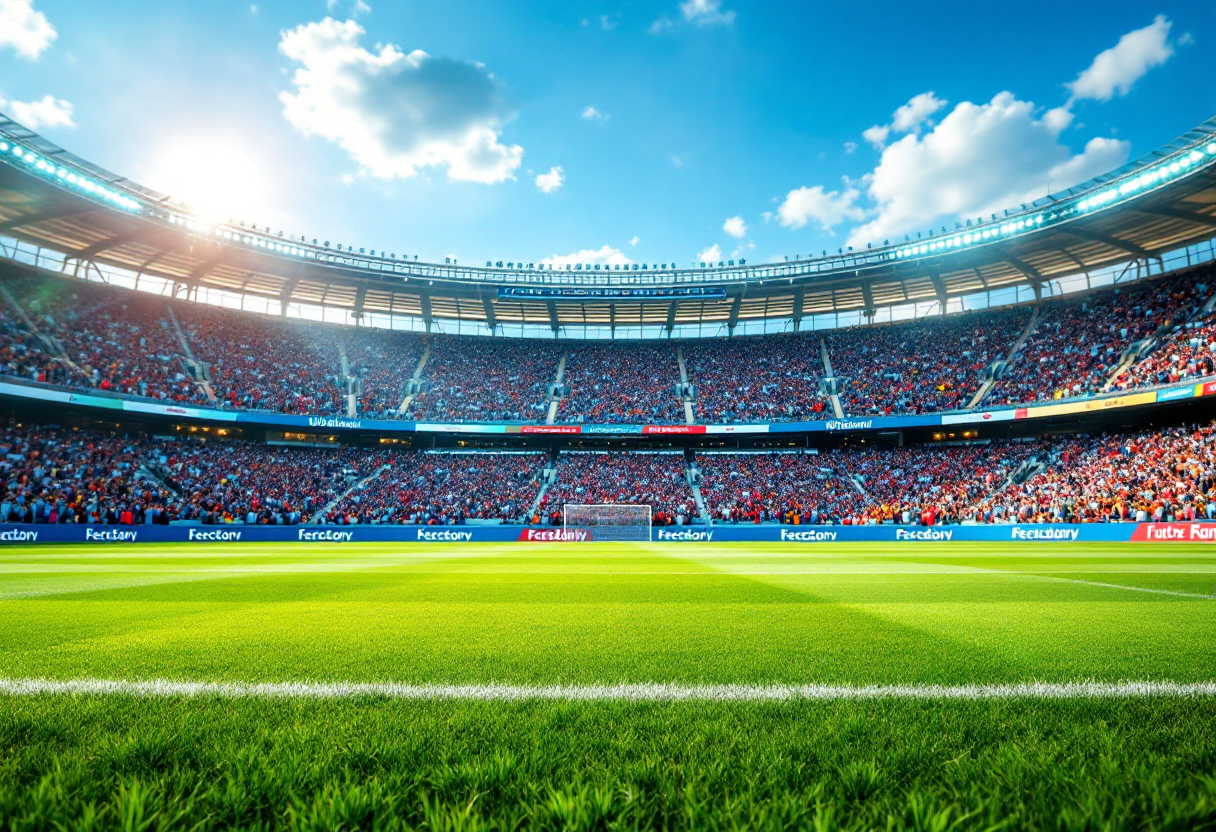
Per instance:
{"type": "Point", "coordinates": [674, 429]}
{"type": "Point", "coordinates": [1175, 533]}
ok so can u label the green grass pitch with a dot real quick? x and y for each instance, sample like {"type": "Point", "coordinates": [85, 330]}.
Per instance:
{"type": "Point", "coordinates": [580, 615]}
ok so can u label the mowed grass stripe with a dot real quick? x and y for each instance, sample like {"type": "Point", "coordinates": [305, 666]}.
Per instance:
{"type": "Point", "coordinates": [647, 692]}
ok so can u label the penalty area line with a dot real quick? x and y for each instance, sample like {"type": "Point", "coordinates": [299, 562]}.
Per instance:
{"type": "Point", "coordinates": [642, 692]}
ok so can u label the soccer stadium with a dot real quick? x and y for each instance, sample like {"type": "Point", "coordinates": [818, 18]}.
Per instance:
{"type": "Point", "coordinates": [915, 532]}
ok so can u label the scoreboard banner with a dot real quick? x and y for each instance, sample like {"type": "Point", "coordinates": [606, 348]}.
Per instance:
{"type": "Point", "coordinates": [1198, 532]}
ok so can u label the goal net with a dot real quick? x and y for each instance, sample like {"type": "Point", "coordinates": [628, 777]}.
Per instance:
{"type": "Point", "coordinates": [606, 522]}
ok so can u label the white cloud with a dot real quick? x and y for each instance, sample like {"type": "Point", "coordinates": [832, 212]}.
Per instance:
{"type": "Point", "coordinates": [605, 255]}
{"type": "Point", "coordinates": [634, 241]}
{"type": "Point", "coordinates": [907, 119]}
{"type": "Point", "coordinates": [47, 111]}
{"type": "Point", "coordinates": [592, 114]}
{"type": "Point", "coordinates": [395, 112]}
{"type": "Point", "coordinates": [735, 227]}
{"type": "Point", "coordinates": [253, 8]}
{"type": "Point", "coordinates": [876, 135]}
{"type": "Point", "coordinates": [706, 13]}
{"type": "Point", "coordinates": [979, 159]}
{"type": "Point", "coordinates": [360, 8]}
{"type": "Point", "coordinates": [25, 29]}
{"type": "Point", "coordinates": [551, 181]}
{"type": "Point", "coordinates": [827, 208]}
{"type": "Point", "coordinates": [1116, 69]}
{"type": "Point", "coordinates": [711, 255]}
{"type": "Point", "coordinates": [607, 23]}
{"type": "Point", "coordinates": [850, 148]}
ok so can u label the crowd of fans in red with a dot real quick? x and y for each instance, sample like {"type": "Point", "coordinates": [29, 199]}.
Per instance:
{"type": "Point", "coordinates": [52, 475]}
{"type": "Point", "coordinates": [653, 479]}
{"type": "Point", "coordinates": [767, 378]}
{"type": "Point", "coordinates": [80, 334]}
{"type": "Point", "coordinates": [1166, 475]}
{"type": "Point", "coordinates": [622, 383]}
{"type": "Point", "coordinates": [58, 476]}
{"type": "Point", "coordinates": [240, 482]}
{"type": "Point", "coordinates": [1077, 345]}
{"type": "Point", "coordinates": [442, 489]}
{"type": "Point", "coordinates": [921, 366]}
{"type": "Point", "coordinates": [483, 380]}
{"type": "Point", "coordinates": [1187, 351]}
{"type": "Point", "coordinates": [856, 486]}
{"type": "Point", "coordinates": [384, 362]}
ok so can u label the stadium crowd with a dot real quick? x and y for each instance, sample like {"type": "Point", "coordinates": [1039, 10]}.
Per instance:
{"type": "Point", "coordinates": [486, 380]}
{"type": "Point", "coordinates": [922, 366]}
{"type": "Point", "coordinates": [856, 486]}
{"type": "Point", "coordinates": [1077, 344]}
{"type": "Point", "coordinates": [54, 475]}
{"type": "Point", "coordinates": [622, 383]}
{"type": "Point", "coordinates": [443, 489]}
{"type": "Point", "coordinates": [1165, 475]}
{"type": "Point", "coordinates": [241, 482]}
{"type": "Point", "coordinates": [79, 334]}
{"type": "Point", "coordinates": [262, 363]}
{"type": "Point", "coordinates": [48, 475]}
{"type": "Point", "coordinates": [757, 379]}
{"type": "Point", "coordinates": [653, 479]}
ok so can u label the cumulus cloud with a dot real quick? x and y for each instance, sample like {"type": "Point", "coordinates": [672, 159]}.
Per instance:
{"type": "Point", "coordinates": [592, 114]}
{"type": "Point", "coordinates": [711, 255]}
{"type": "Point", "coordinates": [47, 111]}
{"type": "Point", "coordinates": [25, 29]}
{"type": "Point", "coordinates": [1116, 69]}
{"type": "Point", "coordinates": [551, 181]}
{"type": "Point", "coordinates": [979, 159]}
{"type": "Point", "coordinates": [706, 13]}
{"type": "Point", "coordinates": [907, 119]}
{"type": "Point", "coordinates": [605, 255]}
{"type": "Point", "coordinates": [396, 112]}
{"type": "Point", "coordinates": [876, 135]}
{"type": "Point", "coordinates": [634, 241]}
{"type": "Point", "coordinates": [827, 208]}
{"type": "Point", "coordinates": [735, 227]}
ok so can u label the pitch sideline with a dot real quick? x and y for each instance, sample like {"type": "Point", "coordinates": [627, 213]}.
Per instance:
{"type": "Point", "coordinates": [642, 692]}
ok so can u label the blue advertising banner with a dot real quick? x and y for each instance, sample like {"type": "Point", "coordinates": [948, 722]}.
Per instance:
{"type": "Point", "coordinates": [17, 533]}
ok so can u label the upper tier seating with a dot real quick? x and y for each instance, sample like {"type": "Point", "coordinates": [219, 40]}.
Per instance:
{"type": "Point", "coordinates": [88, 335]}
{"type": "Point", "coordinates": [622, 383]}
{"type": "Point", "coordinates": [483, 380]}
{"type": "Point", "coordinates": [922, 366]}
{"type": "Point", "coordinates": [768, 378]}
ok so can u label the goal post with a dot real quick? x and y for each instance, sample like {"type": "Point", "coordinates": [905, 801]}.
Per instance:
{"type": "Point", "coordinates": [606, 521]}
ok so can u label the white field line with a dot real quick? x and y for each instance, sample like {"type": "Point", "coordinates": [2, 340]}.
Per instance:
{"type": "Point", "coordinates": [1153, 590]}
{"type": "Point", "coordinates": [644, 692]}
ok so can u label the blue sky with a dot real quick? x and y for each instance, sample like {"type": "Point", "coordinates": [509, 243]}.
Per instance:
{"type": "Point", "coordinates": [680, 130]}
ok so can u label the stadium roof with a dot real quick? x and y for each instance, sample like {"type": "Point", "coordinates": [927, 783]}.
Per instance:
{"type": "Point", "coordinates": [1159, 203]}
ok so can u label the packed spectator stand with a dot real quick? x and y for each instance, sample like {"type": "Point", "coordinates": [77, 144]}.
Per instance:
{"type": "Point", "coordinates": [765, 378]}
{"type": "Point", "coordinates": [78, 334]}
{"type": "Point", "coordinates": [622, 383]}
{"type": "Point", "coordinates": [479, 380]}
{"type": "Point", "coordinates": [56, 475]}
{"type": "Point", "coordinates": [658, 480]}
{"type": "Point", "coordinates": [443, 489]}
{"type": "Point", "coordinates": [922, 366]}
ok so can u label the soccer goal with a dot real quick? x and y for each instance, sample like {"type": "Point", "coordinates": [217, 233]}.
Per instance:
{"type": "Point", "coordinates": [606, 522]}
